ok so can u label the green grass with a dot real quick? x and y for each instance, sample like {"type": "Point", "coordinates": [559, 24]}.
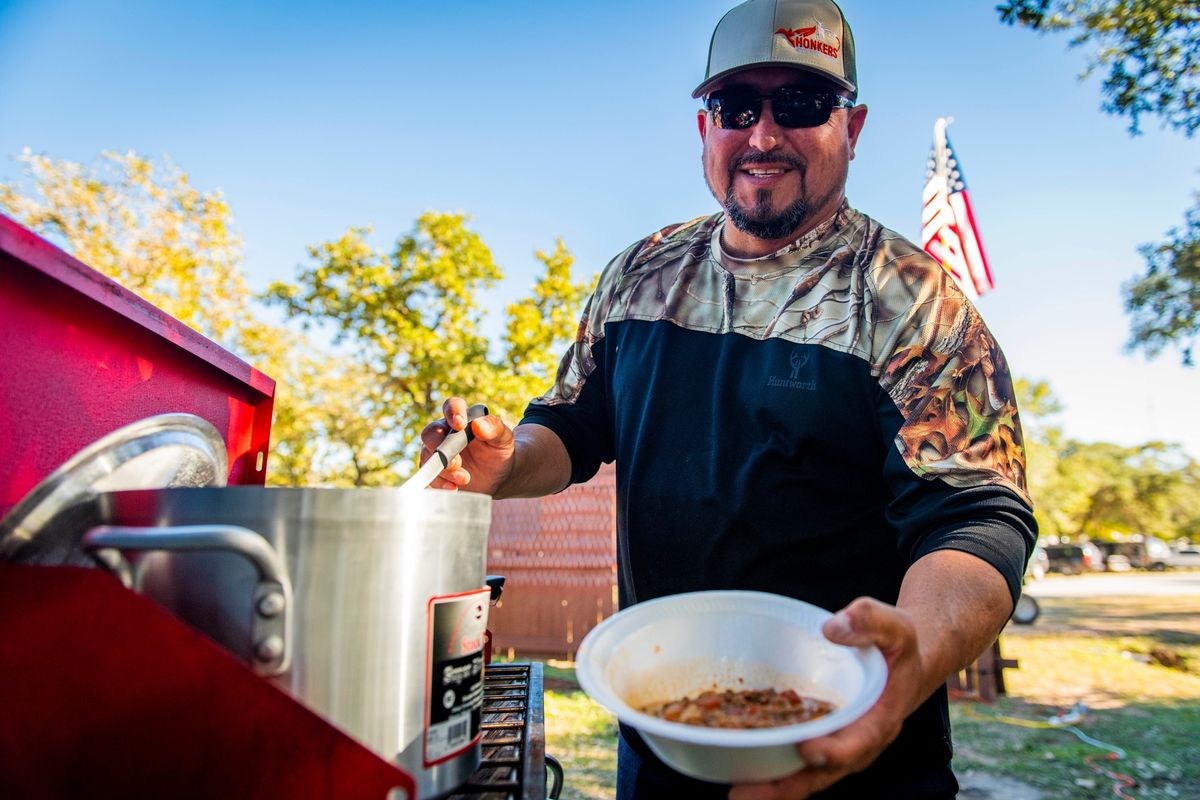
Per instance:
{"type": "Point", "coordinates": [583, 736]}
{"type": "Point", "coordinates": [1103, 653]}
{"type": "Point", "coordinates": [1093, 651]}
{"type": "Point", "coordinates": [1159, 741]}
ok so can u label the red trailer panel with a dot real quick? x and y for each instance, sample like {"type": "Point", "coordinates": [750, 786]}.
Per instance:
{"type": "Point", "coordinates": [82, 356]}
{"type": "Point", "coordinates": [105, 695]}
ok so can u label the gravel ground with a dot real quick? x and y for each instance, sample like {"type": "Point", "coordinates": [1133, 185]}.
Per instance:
{"type": "Point", "coordinates": [981, 786]}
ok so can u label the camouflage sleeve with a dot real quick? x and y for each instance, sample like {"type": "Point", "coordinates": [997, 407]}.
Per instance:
{"type": "Point", "coordinates": [956, 463]}
{"type": "Point", "coordinates": [951, 383]}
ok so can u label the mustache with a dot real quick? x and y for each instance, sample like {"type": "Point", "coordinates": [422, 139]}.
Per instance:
{"type": "Point", "coordinates": [757, 157]}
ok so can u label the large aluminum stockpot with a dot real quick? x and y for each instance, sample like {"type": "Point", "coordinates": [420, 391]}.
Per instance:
{"type": "Point", "coordinates": [367, 605]}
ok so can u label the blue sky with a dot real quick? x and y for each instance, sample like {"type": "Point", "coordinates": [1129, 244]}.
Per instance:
{"type": "Point", "coordinates": [574, 120]}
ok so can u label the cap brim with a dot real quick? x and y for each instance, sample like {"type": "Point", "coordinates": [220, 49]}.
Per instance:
{"type": "Point", "coordinates": [707, 86]}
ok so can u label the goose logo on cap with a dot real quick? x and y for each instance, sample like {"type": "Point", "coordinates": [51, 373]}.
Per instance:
{"type": "Point", "coordinates": [816, 38]}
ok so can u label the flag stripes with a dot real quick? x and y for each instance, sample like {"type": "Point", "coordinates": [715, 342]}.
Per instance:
{"type": "Point", "coordinates": [948, 230]}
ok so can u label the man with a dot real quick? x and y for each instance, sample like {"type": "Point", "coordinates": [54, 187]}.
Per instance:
{"type": "Point", "coordinates": [799, 401]}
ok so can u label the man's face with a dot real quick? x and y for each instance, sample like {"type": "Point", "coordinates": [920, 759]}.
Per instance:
{"type": "Point", "coordinates": [777, 183]}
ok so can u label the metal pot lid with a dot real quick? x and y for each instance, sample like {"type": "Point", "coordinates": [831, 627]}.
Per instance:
{"type": "Point", "coordinates": [168, 450]}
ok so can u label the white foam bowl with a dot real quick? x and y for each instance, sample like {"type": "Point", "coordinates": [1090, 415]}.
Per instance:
{"type": "Point", "coordinates": [677, 646]}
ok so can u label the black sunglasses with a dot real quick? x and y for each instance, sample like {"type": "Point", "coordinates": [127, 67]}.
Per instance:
{"type": "Point", "coordinates": [738, 108]}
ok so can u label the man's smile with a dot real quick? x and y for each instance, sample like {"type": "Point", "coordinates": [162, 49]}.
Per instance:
{"type": "Point", "coordinates": [763, 170]}
{"type": "Point", "coordinates": [762, 175]}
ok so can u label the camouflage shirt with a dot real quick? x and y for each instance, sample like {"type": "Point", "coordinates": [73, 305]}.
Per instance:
{"type": "Point", "coordinates": [762, 411]}
{"type": "Point", "coordinates": [810, 423]}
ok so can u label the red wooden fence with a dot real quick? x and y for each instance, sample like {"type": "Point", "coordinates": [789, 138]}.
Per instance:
{"type": "Point", "coordinates": [558, 555]}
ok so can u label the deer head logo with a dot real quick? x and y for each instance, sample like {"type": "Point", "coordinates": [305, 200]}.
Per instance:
{"type": "Point", "coordinates": [797, 359]}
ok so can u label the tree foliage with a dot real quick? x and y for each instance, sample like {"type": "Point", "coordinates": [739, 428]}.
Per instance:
{"type": "Point", "coordinates": [322, 420]}
{"type": "Point", "coordinates": [1165, 302]}
{"type": "Point", "coordinates": [410, 322]}
{"type": "Point", "coordinates": [1098, 489]}
{"type": "Point", "coordinates": [1150, 49]}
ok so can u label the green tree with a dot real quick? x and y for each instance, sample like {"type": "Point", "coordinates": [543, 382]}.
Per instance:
{"type": "Point", "coordinates": [1038, 406]}
{"type": "Point", "coordinates": [410, 321]}
{"type": "Point", "coordinates": [321, 420]}
{"type": "Point", "coordinates": [1165, 302]}
{"type": "Point", "coordinates": [1129, 489]}
{"type": "Point", "coordinates": [1151, 52]}
{"type": "Point", "coordinates": [1096, 489]}
{"type": "Point", "coordinates": [143, 225]}
{"type": "Point", "coordinates": [1150, 48]}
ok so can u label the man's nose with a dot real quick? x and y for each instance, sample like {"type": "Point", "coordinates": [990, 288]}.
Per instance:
{"type": "Point", "coordinates": [766, 133]}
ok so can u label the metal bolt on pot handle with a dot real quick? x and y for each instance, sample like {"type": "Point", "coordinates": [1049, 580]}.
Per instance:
{"type": "Point", "coordinates": [271, 604]}
{"type": "Point", "coordinates": [272, 596]}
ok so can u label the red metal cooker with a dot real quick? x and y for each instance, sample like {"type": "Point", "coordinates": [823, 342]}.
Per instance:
{"type": "Point", "coordinates": [106, 695]}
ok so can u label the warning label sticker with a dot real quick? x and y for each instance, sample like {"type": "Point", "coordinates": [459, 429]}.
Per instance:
{"type": "Point", "coordinates": [454, 694]}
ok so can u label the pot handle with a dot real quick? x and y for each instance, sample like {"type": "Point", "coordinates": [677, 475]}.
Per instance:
{"type": "Point", "coordinates": [272, 595]}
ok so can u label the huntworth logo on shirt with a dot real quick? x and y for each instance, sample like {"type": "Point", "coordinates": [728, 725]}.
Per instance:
{"type": "Point", "coordinates": [797, 360]}
{"type": "Point", "coordinates": [818, 38]}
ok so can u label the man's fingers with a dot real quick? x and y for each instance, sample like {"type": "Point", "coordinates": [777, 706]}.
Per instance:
{"type": "Point", "coordinates": [431, 436]}
{"type": "Point", "coordinates": [755, 791]}
{"type": "Point", "coordinates": [793, 787]}
{"type": "Point", "coordinates": [867, 621]}
{"type": "Point", "coordinates": [849, 749]}
{"type": "Point", "coordinates": [491, 429]}
{"type": "Point", "coordinates": [827, 760]}
{"type": "Point", "coordinates": [455, 411]}
{"type": "Point", "coordinates": [486, 428]}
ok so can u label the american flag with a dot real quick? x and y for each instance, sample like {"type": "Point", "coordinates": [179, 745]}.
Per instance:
{"type": "Point", "coordinates": [948, 231]}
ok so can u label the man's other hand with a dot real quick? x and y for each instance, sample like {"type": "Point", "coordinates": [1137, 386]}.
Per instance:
{"type": "Point", "coordinates": [853, 748]}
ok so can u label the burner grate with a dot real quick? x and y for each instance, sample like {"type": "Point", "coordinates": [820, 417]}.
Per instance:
{"type": "Point", "coordinates": [513, 765]}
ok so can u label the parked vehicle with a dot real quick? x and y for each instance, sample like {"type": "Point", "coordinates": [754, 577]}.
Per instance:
{"type": "Point", "coordinates": [1185, 557]}
{"type": "Point", "coordinates": [1065, 558]}
{"type": "Point", "coordinates": [1039, 563]}
{"type": "Point", "coordinates": [1158, 553]}
{"type": "Point", "coordinates": [1117, 563]}
{"type": "Point", "coordinates": [1152, 554]}
{"type": "Point", "coordinates": [1123, 556]}
{"type": "Point", "coordinates": [1074, 559]}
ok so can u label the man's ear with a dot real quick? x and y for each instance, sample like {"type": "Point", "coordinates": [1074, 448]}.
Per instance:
{"type": "Point", "coordinates": [854, 126]}
{"type": "Point", "coordinates": [702, 122]}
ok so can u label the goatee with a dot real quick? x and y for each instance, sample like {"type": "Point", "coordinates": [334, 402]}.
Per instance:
{"type": "Point", "coordinates": [760, 221]}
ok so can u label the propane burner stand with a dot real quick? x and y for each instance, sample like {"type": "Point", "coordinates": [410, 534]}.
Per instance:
{"type": "Point", "coordinates": [514, 762]}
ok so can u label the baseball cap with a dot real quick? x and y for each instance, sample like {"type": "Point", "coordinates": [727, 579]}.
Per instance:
{"type": "Point", "coordinates": [810, 35]}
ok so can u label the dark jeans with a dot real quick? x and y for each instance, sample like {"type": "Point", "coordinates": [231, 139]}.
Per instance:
{"type": "Point", "coordinates": [641, 776]}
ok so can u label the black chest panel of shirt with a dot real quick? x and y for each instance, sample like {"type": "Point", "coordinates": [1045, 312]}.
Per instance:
{"type": "Point", "coordinates": [746, 464]}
